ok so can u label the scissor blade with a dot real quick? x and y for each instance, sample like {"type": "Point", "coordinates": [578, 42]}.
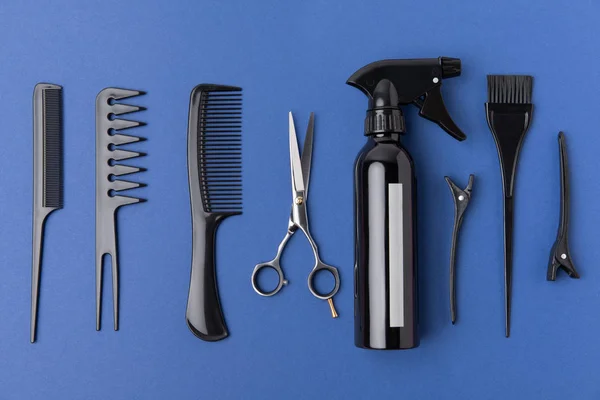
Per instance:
{"type": "Point", "coordinates": [296, 166]}
{"type": "Point", "coordinates": [307, 150]}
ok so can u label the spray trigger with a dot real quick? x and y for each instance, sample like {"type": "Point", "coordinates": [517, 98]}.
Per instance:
{"type": "Point", "coordinates": [434, 109]}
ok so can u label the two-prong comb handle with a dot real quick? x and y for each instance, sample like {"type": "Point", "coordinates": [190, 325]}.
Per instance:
{"type": "Point", "coordinates": [560, 256]}
{"type": "Point", "coordinates": [461, 201]}
{"type": "Point", "coordinates": [109, 139]}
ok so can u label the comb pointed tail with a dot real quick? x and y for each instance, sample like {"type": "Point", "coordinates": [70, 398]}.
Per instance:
{"type": "Point", "coordinates": [38, 242]}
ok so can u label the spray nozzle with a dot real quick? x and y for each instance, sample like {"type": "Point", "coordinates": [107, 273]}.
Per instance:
{"type": "Point", "coordinates": [392, 83]}
{"type": "Point", "coordinates": [450, 67]}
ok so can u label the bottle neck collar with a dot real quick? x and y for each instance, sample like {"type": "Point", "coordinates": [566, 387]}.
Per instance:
{"type": "Point", "coordinates": [385, 120]}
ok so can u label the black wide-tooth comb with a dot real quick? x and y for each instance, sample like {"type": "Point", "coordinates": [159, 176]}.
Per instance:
{"type": "Point", "coordinates": [110, 140]}
{"type": "Point", "coordinates": [215, 181]}
{"type": "Point", "coordinates": [508, 113]}
{"type": "Point", "coordinates": [47, 176]}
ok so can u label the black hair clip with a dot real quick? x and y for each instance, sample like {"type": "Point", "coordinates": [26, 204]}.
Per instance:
{"type": "Point", "coordinates": [559, 255]}
{"type": "Point", "coordinates": [461, 201]}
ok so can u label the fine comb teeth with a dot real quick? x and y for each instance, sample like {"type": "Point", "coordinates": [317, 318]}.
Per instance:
{"type": "Point", "coordinates": [220, 149]}
{"type": "Point", "coordinates": [510, 89]}
{"type": "Point", "coordinates": [109, 154]}
{"type": "Point", "coordinates": [53, 182]}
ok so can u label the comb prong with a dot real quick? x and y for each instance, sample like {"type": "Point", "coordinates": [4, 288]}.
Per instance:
{"type": "Point", "coordinates": [120, 169]}
{"type": "Point", "coordinates": [119, 185]}
{"type": "Point", "coordinates": [119, 94]}
{"type": "Point", "coordinates": [126, 200]}
{"type": "Point", "coordinates": [119, 124]}
{"type": "Point", "coordinates": [120, 154]}
{"type": "Point", "coordinates": [216, 118]}
{"type": "Point", "coordinates": [120, 108]}
{"type": "Point", "coordinates": [119, 139]}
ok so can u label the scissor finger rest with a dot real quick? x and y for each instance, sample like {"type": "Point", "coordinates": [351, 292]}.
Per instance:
{"type": "Point", "coordinates": [270, 265]}
{"type": "Point", "coordinates": [336, 281]}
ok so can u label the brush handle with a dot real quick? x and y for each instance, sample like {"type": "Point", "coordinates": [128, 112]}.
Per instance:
{"type": "Point", "coordinates": [204, 315]}
{"type": "Point", "coordinates": [508, 257]}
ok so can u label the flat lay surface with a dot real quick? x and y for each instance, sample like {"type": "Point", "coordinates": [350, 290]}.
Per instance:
{"type": "Point", "coordinates": [296, 57]}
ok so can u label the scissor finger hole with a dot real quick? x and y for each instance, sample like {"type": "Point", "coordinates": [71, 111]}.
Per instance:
{"type": "Point", "coordinates": [267, 280]}
{"type": "Point", "coordinates": [323, 282]}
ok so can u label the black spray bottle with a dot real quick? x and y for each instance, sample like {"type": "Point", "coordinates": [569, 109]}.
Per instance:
{"type": "Point", "coordinates": [385, 272]}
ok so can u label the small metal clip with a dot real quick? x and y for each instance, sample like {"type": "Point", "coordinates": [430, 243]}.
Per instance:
{"type": "Point", "coordinates": [461, 201]}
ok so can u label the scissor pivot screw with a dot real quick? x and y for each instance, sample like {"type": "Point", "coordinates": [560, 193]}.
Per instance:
{"type": "Point", "coordinates": [299, 200]}
{"type": "Point", "coordinates": [563, 256]}
{"type": "Point", "coordinates": [461, 197]}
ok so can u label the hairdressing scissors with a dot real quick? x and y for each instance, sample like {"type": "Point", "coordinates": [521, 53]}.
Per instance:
{"type": "Point", "coordinates": [300, 168]}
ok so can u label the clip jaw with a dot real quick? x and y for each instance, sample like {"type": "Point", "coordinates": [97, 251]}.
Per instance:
{"type": "Point", "coordinates": [560, 258]}
{"type": "Point", "coordinates": [392, 83]}
{"type": "Point", "coordinates": [559, 255]}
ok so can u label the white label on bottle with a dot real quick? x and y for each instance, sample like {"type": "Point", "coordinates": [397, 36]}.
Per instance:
{"type": "Point", "coordinates": [377, 277]}
{"type": "Point", "coordinates": [396, 255]}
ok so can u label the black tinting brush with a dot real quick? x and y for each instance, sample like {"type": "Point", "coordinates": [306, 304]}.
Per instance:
{"type": "Point", "coordinates": [508, 113]}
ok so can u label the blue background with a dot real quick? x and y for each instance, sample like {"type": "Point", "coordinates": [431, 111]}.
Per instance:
{"type": "Point", "coordinates": [297, 56]}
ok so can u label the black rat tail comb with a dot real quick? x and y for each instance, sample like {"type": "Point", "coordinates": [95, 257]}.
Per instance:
{"type": "Point", "coordinates": [47, 176]}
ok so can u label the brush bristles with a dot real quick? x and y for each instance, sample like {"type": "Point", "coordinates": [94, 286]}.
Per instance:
{"type": "Point", "coordinates": [510, 89]}
{"type": "Point", "coordinates": [53, 179]}
{"type": "Point", "coordinates": [220, 151]}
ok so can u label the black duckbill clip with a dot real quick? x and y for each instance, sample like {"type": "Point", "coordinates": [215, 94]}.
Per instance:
{"type": "Point", "coordinates": [461, 201]}
{"type": "Point", "coordinates": [560, 256]}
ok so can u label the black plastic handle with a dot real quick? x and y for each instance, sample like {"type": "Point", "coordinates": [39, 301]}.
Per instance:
{"type": "Point", "coordinates": [204, 315]}
{"type": "Point", "coordinates": [508, 260]}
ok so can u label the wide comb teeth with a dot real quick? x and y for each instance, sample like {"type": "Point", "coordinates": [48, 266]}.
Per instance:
{"type": "Point", "coordinates": [120, 109]}
{"type": "Point", "coordinates": [220, 148]}
{"type": "Point", "coordinates": [119, 124]}
{"type": "Point", "coordinates": [110, 139]}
